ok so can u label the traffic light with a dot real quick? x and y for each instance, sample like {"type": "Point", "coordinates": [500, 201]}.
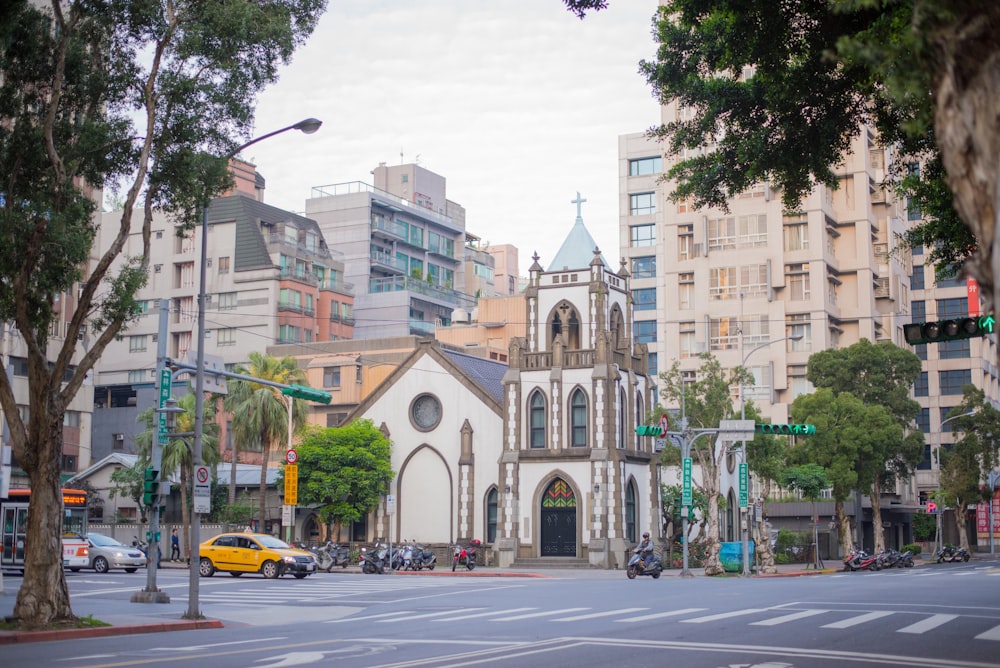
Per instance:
{"type": "Point", "coordinates": [307, 393]}
{"type": "Point", "coordinates": [949, 330]}
{"type": "Point", "coordinates": [649, 430]}
{"type": "Point", "coordinates": [786, 429]}
{"type": "Point", "coordinates": [150, 486]}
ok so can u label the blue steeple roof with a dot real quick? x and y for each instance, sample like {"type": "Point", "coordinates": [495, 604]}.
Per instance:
{"type": "Point", "coordinates": [577, 251]}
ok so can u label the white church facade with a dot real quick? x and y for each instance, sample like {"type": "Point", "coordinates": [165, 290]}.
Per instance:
{"type": "Point", "coordinates": [538, 458]}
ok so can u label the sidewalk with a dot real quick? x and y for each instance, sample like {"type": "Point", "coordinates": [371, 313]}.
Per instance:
{"type": "Point", "coordinates": [160, 617]}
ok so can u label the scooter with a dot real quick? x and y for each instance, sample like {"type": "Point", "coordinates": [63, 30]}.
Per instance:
{"type": "Point", "coordinates": [373, 561]}
{"type": "Point", "coordinates": [859, 560]}
{"type": "Point", "coordinates": [332, 554]}
{"type": "Point", "coordinates": [465, 556]}
{"type": "Point", "coordinates": [423, 558]}
{"type": "Point", "coordinates": [951, 553]}
{"type": "Point", "coordinates": [637, 566]}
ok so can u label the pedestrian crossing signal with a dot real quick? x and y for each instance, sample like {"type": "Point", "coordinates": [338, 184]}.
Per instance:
{"type": "Point", "coordinates": [949, 330]}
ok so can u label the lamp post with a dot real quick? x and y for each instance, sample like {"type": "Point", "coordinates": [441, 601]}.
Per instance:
{"type": "Point", "coordinates": [307, 126]}
{"type": "Point", "coordinates": [939, 538]}
{"type": "Point", "coordinates": [744, 515]}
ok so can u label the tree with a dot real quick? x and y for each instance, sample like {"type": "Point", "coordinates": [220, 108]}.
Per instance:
{"type": "Point", "coordinates": [766, 460]}
{"type": "Point", "coordinates": [127, 483]}
{"type": "Point", "coordinates": [706, 400]}
{"type": "Point", "coordinates": [92, 95]}
{"type": "Point", "coordinates": [810, 480]}
{"type": "Point", "coordinates": [260, 412]}
{"type": "Point", "coordinates": [916, 69]}
{"type": "Point", "coordinates": [848, 444]}
{"type": "Point", "coordinates": [673, 522]}
{"type": "Point", "coordinates": [968, 463]}
{"type": "Point", "coordinates": [344, 471]}
{"type": "Point", "coordinates": [878, 374]}
{"type": "Point", "coordinates": [176, 455]}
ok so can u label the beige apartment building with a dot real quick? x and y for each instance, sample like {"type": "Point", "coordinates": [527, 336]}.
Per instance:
{"type": "Point", "coordinates": [740, 284]}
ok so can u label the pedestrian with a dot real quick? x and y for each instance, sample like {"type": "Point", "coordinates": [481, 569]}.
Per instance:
{"type": "Point", "coordinates": [175, 546]}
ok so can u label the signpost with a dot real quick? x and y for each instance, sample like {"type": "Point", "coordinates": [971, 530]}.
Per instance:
{"type": "Point", "coordinates": [202, 490]}
{"type": "Point", "coordinates": [744, 484]}
{"type": "Point", "coordinates": [291, 484]}
{"type": "Point", "coordinates": [686, 496]}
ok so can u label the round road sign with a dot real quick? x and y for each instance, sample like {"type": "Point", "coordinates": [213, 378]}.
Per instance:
{"type": "Point", "coordinates": [291, 456]}
{"type": "Point", "coordinates": [201, 473]}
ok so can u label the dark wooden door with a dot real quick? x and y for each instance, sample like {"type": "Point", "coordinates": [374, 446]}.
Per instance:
{"type": "Point", "coordinates": [558, 521]}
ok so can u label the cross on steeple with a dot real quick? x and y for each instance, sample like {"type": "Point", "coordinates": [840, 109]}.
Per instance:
{"type": "Point", "coordinates": [578, 201]}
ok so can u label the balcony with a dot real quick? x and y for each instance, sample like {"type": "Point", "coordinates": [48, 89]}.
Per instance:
{"type": "Point", "coordinates": [389, 229]}
{"type": "Point", "coordinates": [337, 285]}
{"type": "Point", "coordinates": [300, 276]}
{"type": "Point", "coordinates": [388, 262]}
{"type": "Point", "coordinates": [408, 283]}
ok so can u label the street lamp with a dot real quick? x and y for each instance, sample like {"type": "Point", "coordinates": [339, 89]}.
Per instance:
{"type": "Point", "coordinates": [307, 126]}
{"type": "Point", "coordinates": [745, 521]}
{"type": "Point", "coordinates": [939, 538]}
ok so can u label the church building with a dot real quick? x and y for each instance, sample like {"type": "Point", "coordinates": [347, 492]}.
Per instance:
{"type": "Point", "coordinates": [538, 458]}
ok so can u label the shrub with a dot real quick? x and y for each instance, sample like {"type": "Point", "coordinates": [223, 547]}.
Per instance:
{"type": "Point", "coordinates": [913, 549]}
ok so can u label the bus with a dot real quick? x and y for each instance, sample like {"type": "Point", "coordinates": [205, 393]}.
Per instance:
{"type": "Point", "coordinates": [14, 528]}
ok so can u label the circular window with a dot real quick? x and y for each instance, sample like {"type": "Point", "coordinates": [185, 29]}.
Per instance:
{"type": "Point", "coordinates": [425, 412]}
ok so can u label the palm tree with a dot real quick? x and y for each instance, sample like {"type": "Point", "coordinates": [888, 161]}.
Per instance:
{"type": "Point", "coordinates": [260, 412]}
{"type": "Point", "coordinates": [176, 454]}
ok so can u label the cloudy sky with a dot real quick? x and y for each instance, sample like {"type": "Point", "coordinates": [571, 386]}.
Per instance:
{"type": "Point", "coordinates": [517, 103]}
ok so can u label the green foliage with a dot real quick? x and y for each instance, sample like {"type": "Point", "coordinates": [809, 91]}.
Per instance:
{"type": "Point", "coordinates": [790, 545]}
{"type": "Point", "coordinates": [913, 549]}
{"type": "Point", "coordinates": [924, 526]}
{"type": "Point", "coordinates": [237, 514]}
{"type": "Point", "coordinates": [344, 471]}
{"type": "Point", "coordinates": [975, 454]}
{"type": "Point", "coordinates": [810, 479]}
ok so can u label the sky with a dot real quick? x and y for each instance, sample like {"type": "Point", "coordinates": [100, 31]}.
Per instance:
{"type": "Point", "coordinates": [517, 103]}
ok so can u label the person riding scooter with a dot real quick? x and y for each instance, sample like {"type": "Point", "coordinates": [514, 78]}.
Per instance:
{"type": "Point", "coordinates": [645, 548]}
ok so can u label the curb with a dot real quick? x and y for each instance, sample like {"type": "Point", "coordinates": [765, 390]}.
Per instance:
{"type": "Point", "coordinates": [20, 637]}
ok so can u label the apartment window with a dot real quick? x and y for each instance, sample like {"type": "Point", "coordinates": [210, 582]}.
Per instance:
{"type": "Point", "coordinates": [797, 279]}
{"type": "Point", "coordinates": [223, 265]}
{"type": "Point", "coordinates": [226, 336]}
{"type": "Point", "coordinates": [290, 298]}
{"type": "Point", "coordinates": [756, 330]}
{"type": "Point", "coordinates": [142, 306]}
{"type": "Point", "coordinates": [685, 290]}
{"type": "Point", "coordinates": [796, 237]}
{"type": "Point", "coordinates": [917, 278]}
{"type": "Point", "coordinates": [642, 204]}
{"type": "Point", "coordinates": [688, 343]}
{"type": "Point", "coordinates": [685, 242]}
{"type": "Point", "coordinates": [798, 324]}
{"type": "Point", "coordinates": [71, 419]}
{"type": "Point", "coordinates": [753, 280]}
{"type": "Point", "coordinates": [346, 311]}
{"type": "Point", "coordinates": [722, 283]}
{"type": "Point", "coordinates": [68, 463]}
{"type": "Point", "coordinates": [951, 381]}
{"type": "Point", "coordinates": [288, 334]}
{"type": "Point", "coordinates": [918, 310]}
{"type": "Point", "coordinates": [642, 235]}
{"type": "Point", "coordinates": [644, 299]}
{"type": "Point", "coordinates": [685, 205]}
{"type": "Point", "coordinates": [644, 267]}
{"type": "Point", "coordinates": [310, 308]}
{"type": "Point", "coordinates": [924, 420]}
{"type": "Point", "coordinates": [416, 236]}
{"type": "Point", "coordinates": [291, 235]}
{"type": "Point", "coordinates": [920, 350]}
{"type": "Point", "coordinates": [137, 376]}
{"type": "Point", "coordinates": [331, 376]}
{"type": "Point", "coordinates": [312, 241]}
{"type": "Point", "coordinates": [951, 350]}
{"type": "Point", "coordinates": [645, 166]}
{"type": "Point", "coordinates": [921, 386]}
{"type": "Point", "coordinates": [722, 233]}
{"type": "Point", "coordinates": [950, 279]}
{"type": "Point", "coordinates": [760, 390]}
{"type": "Point", "coordinates": [118, 441]}
{"type": "Point", "coordinates": [753, 231]}
{"type": "Point", "coordinates": [228, 300]}
{"type": "Point", "coordinates": [724, 333]}
{"type": "Point", "coordinates": [578, 420]}
{"type": "Point", "coordinates": [536, 420]}
{"type": "Point", "coordinates": [137, 343]}
{"type": "Point", "coordinates": [645, 331]}
{"type": "Point", "coordinates": [952, 308]}
{"type": "Point", "coordinates": [652, 369]}
{"type": "Point", "coordinates": [800, 386]}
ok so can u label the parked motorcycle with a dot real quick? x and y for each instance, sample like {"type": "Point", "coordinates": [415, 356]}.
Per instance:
{"type": "Point", "coordinates": [465, 556]}
{"type": "Point", "coordinates": [637, 566]}
{"type": "Point", "coordinates": [859, 560]}
{"type": "Point", "coordinates": [332, 554]}
{"type": "Point", "coordinates": [374, 560]}
{"type": "Point", "coordinates": [951, 553]}
{"type": "Point", "coordinates": [423, 558]}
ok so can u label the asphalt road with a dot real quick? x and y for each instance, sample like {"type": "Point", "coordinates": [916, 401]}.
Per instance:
{"type": "Point", "coordinates": [934, 615]}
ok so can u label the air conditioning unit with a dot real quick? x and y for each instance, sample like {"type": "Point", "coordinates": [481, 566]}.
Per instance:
{"type": "Point", "coordinates": [119, 438]}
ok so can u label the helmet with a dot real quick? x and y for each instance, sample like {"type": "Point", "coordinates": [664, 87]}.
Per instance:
{"type": "Point", "coordinates": [645, 535]}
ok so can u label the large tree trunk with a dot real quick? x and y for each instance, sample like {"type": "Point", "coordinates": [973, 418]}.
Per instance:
{"type": "Point", "coordinates": [43, 599]}
{"type": "Point", "coordinates": [960, 524]}
{"type": "Point", "coordinates": [966, 89]}
{"type": "Point", "coordinates": [844, 528]}
{"type": "Point", "coordinates": [877, 516]}
{"type": "Point", "coordinates": [765, 555]}
{"type": "Point", "coordinates": [711, 463]}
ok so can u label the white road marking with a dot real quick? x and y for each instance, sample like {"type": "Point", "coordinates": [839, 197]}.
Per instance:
{"type": "Point", "coordinates": [659, 615]}
{"type": "Point", "coordinates": [594, 615]}
{"type": "Point", "coordinates": [723, 615]}
{"type": "Point", "coordinates": [858, 619]}
{"type": "Point", "coordinates": [928, 624]}
{"type": "Point", "coordinates": [490, 613]}
{"type": "Point", "coordinates": [538, 614]}
{"type": "Point", "coordinates": [789, 618]}
{"type": "Point", "coordinates": [425, 615]}
{"type": "Point", "coordinates": [992, 634]}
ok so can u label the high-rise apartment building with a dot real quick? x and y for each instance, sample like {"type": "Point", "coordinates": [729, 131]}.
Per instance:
{"type": "Point", "coordinates": [763, 287]}
{"type": "Point", "coordinates": [402, 242]}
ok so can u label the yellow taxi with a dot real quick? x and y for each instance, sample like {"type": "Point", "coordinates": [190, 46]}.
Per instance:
{"type": "Point", "coordinates": [240, 553]}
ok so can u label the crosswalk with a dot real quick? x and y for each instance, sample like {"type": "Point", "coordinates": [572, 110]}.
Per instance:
{"type": "Point", "coordinates": [309, 591]}
{"type": "Point", "coordinates": [898, 621]}
{"type": "Point", "coordinates": [942, 571]}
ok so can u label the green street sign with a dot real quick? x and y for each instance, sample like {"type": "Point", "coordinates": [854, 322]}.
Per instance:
{"type": "Point", "coordinates": [744, 484]}
{"type": "Point", "coordinates": [686, 496]}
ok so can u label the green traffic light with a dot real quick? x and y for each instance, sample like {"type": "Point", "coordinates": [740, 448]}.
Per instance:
{"type": "Point", "coordinates": [951, 329]}
{"type": "Point", "coordinates": [307, 393]}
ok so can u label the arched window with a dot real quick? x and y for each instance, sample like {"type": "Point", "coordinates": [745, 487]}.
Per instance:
{"type": "Point", "coordinates": [578, 419]}
{"type": "Point", "coordinates": [536, 421]}
{"type": "Point", "coordinates": [630, 516]}
{"type": "Point", "coordinates": [622, 419]}
{"type": "Point", "coordinates": [491, 515]}
{"type": "Point", "coordinates": [730, 518]}
{"type": "Point", "coordinates": [640, 418]}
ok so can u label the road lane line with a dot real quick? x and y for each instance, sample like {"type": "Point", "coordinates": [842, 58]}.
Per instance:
{"type": "Point", "coordinates": [992, 634]}
{"type": "Point", "coordinates": [531, 615]}
{"type": "Point", "coordinates": [378, 616]}
{"type": "Point", "coordinates": [789, 618]}
{"type": "Point", "coordinates": [490, 613]}
{"type": "Point", "coordinates": [928, 624]}
{"type": "Point", "coordinates": [859, 619]}
{"type": "Point", "coordinates": [723, 615]}
{"type": "Point", "coordinates": [594, 615]}
{"type": "Point", "coordinates": [659, 615]}
{"type": "Point", "coordinates": [425, 615]}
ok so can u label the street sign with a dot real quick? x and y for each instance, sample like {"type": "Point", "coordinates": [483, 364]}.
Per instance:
{"type": "Point", "coordinates": [213, 364]}
{"type": "Point", "coordinates": [292, 483]}
{"type": "Point", "coordinates": [202, 490]}
{"type": "Point", "coordinates": [287, 515]}
{"type": "Point", "coordinates": [744, 484]}
{"type": "Point", "coordinates": [686, 495]}
{"type": "Point", "coordinates": [291, 456]}
{"type": "Point", "coordinates": [165, 379]}
{"type": "Point", "coordinates": [665, 423]}
{"type": "Point", "coordinates": [390, 504]}
{"type": "Point", "coordinates": [659, 444]}
{"type": "Point", "coordinates": [931, 507]}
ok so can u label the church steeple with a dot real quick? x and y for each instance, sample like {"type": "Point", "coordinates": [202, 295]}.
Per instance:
{"type": "Point", "coordinates": [577, 251]}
